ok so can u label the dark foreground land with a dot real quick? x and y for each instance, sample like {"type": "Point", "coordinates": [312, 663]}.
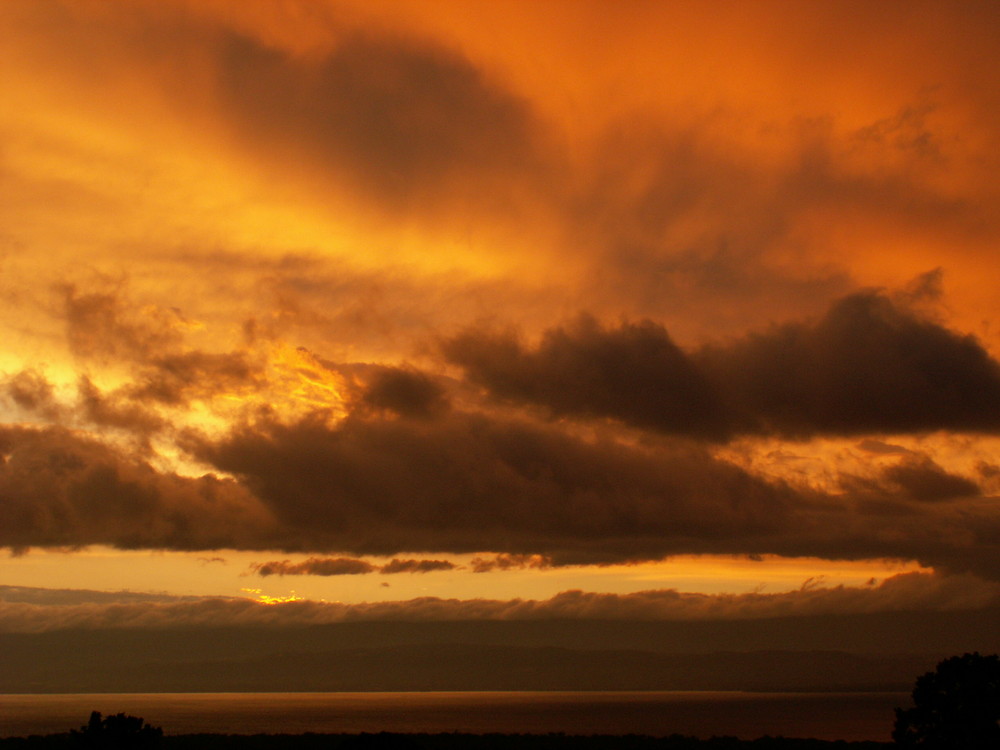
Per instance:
{"type": "Point", "coordinates": [445, 741]}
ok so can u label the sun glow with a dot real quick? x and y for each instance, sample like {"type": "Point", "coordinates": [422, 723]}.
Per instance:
{"type": "Point", "coordinates": [267, 600]}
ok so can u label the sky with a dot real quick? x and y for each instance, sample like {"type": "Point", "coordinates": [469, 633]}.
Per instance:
{"type": "Point", "coordinates": [327, 309]}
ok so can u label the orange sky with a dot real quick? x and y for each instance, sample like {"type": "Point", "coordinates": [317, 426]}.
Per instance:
{"type": "Point", "coordinates": [614, 297]}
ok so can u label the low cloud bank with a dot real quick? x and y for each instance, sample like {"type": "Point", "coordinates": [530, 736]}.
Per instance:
{"type": "Point", "coordinates": [461, 482]}
{"type": "Point", "coordinates": [347, 566]}
{"type": "Point", "coordinates": [60, 610]}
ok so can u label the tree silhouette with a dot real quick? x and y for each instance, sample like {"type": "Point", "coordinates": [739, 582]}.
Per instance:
{"type": "Point", "coordinates": [955, 706]}
{"type": "Point", "coordinates": [117, 732]}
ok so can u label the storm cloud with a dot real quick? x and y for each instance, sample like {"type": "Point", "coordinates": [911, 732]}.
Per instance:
{"type": "Point", "coordinates": [868, 366]}
{"type": "Point", "coordinates": [61, 489]}
{"type": "Point", "coordinates": [418, 463]}
{"type": "Point", "coordinates": [916, 478]}
{"type": "Point", "coordinates": [465, 481]}
{"type": "Point", "coordinates": [468, 483]}
{"type": "Point", "coordinates": [406, 392]}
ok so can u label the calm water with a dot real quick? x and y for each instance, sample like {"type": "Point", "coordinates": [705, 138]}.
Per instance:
{"type": "Point", "coordinates": [849, 716]}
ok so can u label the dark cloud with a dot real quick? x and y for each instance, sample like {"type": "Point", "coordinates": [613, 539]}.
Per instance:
{"type": "Point", "coordinates": [531, 493]}
{"type": "Point", "coordinates": [922, 479]}
{"type": "Point", "coordinates": [315, 566]}
{"type": "Point", "coordinates": [58, 488]}
{"type": "Point", "coordinates": [407, 122]}
{"type": "Point", "coordinates": [407, 472]}
{"type": "Point", "coordinates": [509, 562]}
{"type": "Point", "coordinates": [870, 445]}
{"type": "Point", "coordinates": [406, 392]}
{"type": "Point", "coordinates": [415, 566]}
{"type": "Point", "coordinates": [346, 566]}
{"type": "Point", "coordinates": [635, 373]}
{"type": "Point", "coordinates": [916, 478]}
{"type": "Point", "coordinates": [988, 470]}
{"type": "Point", "coordinates": [868, 366]}
{"type": "Point", "coordinates": [466, 483]}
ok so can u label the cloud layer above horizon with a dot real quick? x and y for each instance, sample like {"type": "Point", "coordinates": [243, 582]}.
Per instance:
{"type": "Point", "coordinates": [537, 282]}
{"type": "Point", "coordinates": [33, 610]}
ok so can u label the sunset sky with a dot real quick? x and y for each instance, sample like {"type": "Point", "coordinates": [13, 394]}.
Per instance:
{"type": "Point", "coordinates": [474, 308]}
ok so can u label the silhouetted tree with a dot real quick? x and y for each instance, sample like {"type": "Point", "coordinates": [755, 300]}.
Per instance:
{"type": "Point", "coordinates": [117, 732]}
{"type": "Point", "coordinates": [955, 706]}
{"type": "Point", "coordinates": [381, 741]}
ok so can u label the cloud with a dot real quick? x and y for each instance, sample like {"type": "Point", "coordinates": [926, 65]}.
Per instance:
{"type": "Point", "coordinates": [509, 562]}
{"type": "Point", "coordinates": [464, 481]}
{"type": "Point", "coordinates": [878, 447]}
{"type": "Point", "coordinates": [467, 483]}
{"type": "Point", "coordinates": [415, 566]}
{"type": "Point", "coordinates": [635, 373]}
{"type": "Point", "coordinates": [102, 324]}
{"type": "Point", "coordinates": [314, 566]}
{"type": "Point", "coordinates": [107, 327]}
{"type": "Point", "coordinates": [407, 122]}
{"type": "Point", "coordinates": [868, 366]}
{"type": "Point", "coordinates": [715, 216]}
{"type": "Point", "coordinates": [94, 610]}
{"type": "Point", "coordinates": [705, 214]}
{"type": "Point", "coordinates": [177, 378]}
{"type": "Point", "coordinates": [115, 410]}
{"type": "Point", "coordinates": [31, 391]}
{"type": "Point", "coordinates": [60, 597]}
{"type": "Point", "coordinates": [720, 219]}
{"type": "Point", "coordinates": [406, 392]}
{"type": "Point", "coordinates": [923, 480]}
{"type": "Point", "coordinates": [434, 481]}
{"type": "Point", "coordinates": [340, 566]}
{"type": "Point", "coordinates": [60, 488]}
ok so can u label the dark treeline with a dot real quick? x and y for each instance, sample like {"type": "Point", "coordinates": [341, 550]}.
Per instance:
{"type": "Point", "coordinates": [451, 741]}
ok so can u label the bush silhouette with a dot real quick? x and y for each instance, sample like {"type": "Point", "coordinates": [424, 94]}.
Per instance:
{"type": "Point", "coordinates": [955, 706]}
{"type": "Point", "coordinates": [117, 732]}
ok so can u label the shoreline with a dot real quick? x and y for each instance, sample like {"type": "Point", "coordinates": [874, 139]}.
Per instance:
{"type": "Point", "coordinates": [449, 741]}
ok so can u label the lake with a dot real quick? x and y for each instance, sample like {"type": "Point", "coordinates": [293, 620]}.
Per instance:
{"type": "Point", "coordinates": [848, 716]}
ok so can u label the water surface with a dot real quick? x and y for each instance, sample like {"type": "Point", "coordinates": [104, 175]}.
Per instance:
{"type": "Point", "coordinates": [848, 716]}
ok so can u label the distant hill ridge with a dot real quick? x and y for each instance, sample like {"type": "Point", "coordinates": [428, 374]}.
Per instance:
{"type": "Point", "coordinates": [850, 652]}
